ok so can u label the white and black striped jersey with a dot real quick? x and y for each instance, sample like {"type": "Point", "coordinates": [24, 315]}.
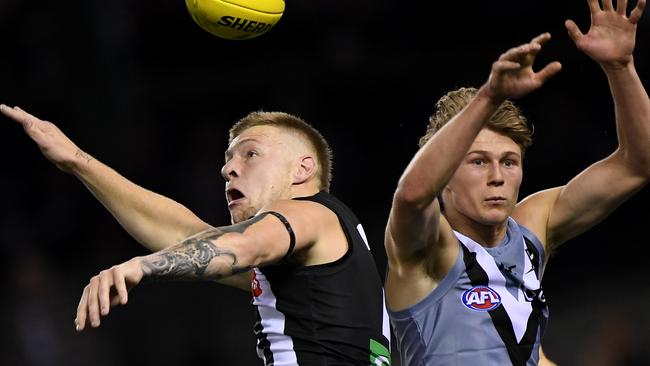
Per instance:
{"type": "Point", "coordinates": [328, 314]}
{"type": "Point", "coordinates": [489, 309]}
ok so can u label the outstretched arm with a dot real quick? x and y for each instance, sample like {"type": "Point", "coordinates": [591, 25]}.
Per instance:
{"type": "Point", "coordinates": [414, 217]}
{"type": "Point", "coordinates": [419, 242]}
{"type": "Point", "coordinates": [155, 221]}
{"type": "Point", "coordinates": [596, 192]}
{"type": "Point", "coordinates": [216, 254]}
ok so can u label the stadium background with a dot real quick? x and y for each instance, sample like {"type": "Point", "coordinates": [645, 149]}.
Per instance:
{"type": "Point", "coordinates": [141, 87]}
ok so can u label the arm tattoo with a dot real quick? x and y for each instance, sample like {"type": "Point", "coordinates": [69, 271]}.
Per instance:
{"type": "Point", "coordinates": [191, 258]}
{"type": "Point", "coordinates": [80, 153]}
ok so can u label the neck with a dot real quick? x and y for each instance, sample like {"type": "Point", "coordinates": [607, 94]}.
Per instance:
{"type": "Point", "coordinates": [487, 235]}
{"type": "Point", "coordinates": [303, 190]}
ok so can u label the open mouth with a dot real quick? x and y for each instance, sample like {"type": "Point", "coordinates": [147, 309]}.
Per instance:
{"type": "Point", "coordinates": [234, 195]}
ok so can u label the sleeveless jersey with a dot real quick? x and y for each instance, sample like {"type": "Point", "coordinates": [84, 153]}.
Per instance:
{"type": "Point", "coordinates": [328, 314]}
{"type": "Point", "coordinates": [489, 309]}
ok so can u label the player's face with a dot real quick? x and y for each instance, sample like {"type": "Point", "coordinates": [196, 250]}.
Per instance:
{"type": "Point", "coordinates": [485, 187]}
{"type": "Point", "coordinates": [257, 171]}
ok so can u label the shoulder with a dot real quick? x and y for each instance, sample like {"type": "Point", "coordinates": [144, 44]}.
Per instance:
{"type": "Point", "coordinates": [305, 209]}
{"type": "Point", "coordinates": [534, 211]}
{"type": "Point", "coordinates": [307, 218]}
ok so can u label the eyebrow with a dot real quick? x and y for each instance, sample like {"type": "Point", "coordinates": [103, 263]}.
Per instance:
{"type": "Point", "coordinates": [484, 152]}
{"type": "Point", "coordinates": [238, 144]}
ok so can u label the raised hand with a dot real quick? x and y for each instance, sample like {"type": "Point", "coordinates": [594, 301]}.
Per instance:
{"type": "Point", "coordinates": [54, 145]}
{"type": "Point", "coordinates": [611, 37]}
{"type": "Point", "coordinates": [106, 290]}
{"type": "Point", "coordinates": [512, 74]}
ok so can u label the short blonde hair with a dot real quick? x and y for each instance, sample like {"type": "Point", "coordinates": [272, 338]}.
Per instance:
{"type": "Point", "coordinates": [507, 120]}
{"type": "Point", "coordinates": [295, 124]}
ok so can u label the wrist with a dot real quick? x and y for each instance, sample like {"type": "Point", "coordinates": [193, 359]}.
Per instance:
{"type": "Point", "coordinates": [487, 94]}
{"type": "Point", "coordinates": [138, 262]}
{"type": "Point", "coordinates": [79, 162]}
{"type": "Point", "coordinates": [622, 67]}
{"type": "Point", "coordinates": [140, 270]}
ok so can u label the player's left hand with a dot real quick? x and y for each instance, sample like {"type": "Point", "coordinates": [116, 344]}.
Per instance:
{"type": "Point", "coordinates": [611, 38]}
{"type": "Point", "coordinates": [512, 75]}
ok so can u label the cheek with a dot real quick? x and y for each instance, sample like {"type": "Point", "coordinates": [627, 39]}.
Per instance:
{"type": "Point", "coordinates": [515, 179]}
{"type": "Point", "coordinates": [465, 179]}
{"type": "Point", "coordinates": [263, 174]}
{"type": "Point", "coordinates": [463, 192]}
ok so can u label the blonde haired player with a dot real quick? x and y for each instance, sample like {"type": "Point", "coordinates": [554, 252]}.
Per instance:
{"type": "Point", "coordinates": [302, 253]}
{"type": "Point", "coordinates": [465, 258]}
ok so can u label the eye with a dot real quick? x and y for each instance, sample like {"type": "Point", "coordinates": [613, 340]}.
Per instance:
{"type": "Point", "coordinates": [477, 162]}
{"type": "Point", "coordinates": [251, 153]}
{"type": "Point", "coordinates": [509, 163]}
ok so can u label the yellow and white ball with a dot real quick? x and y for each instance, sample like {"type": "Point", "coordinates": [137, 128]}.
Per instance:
{"type": "Point", "coordinates": [236, 19]}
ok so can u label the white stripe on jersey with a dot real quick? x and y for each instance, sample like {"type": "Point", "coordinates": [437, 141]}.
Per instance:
{"type": "Point", "coordinates": [385, 326]}
{"type": "Point", "coordinates": [518, 309]}
{"type": "Point", "coordinates": [273, 322]}
{"type": "Point", "coordinates": [363, 235]}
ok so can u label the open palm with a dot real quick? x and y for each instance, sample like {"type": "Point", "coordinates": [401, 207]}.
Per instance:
{"type": "Point", "coordinates": [611, 36]}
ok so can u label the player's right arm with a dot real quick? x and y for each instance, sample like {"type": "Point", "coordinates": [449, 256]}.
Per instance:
{"type": "Point", "coordinates": [420, 244]}
{"type": "Point", "coordinates": [155, 221]}
{"type": "Point", "coordinates": [289, 231]}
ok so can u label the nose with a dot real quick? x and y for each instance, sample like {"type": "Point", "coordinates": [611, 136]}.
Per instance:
{"type": "Point", "coordinates": [229, 170]}
{"type": "Point", "coordinates": [495, 177]}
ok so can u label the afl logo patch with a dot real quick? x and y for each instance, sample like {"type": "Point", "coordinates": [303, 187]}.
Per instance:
{"type": "Point", "coordinates": [481, 298]}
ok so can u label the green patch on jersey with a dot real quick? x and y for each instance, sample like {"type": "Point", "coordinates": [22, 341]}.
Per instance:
{"type": "Point", "coordinates": [379, 355]}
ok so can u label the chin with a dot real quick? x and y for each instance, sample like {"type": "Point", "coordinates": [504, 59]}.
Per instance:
{"type": "Point", "coordinates": [493, 218]}
{"type": "Point", "coordinates": [494, 222]}
{"type": "Point", "coordinates": [236, 217]}
{"type": "Point", "coordinates": [239, 214]}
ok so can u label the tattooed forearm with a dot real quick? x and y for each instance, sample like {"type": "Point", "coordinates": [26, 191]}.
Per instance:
{"type": "Point", "coordinates": [80, 153]}
{"type": "Point", "coordinates": [191, 258]}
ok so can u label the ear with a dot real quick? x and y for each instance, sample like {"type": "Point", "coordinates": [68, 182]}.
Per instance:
{"type": "Point", "coordinates": [306, 170]}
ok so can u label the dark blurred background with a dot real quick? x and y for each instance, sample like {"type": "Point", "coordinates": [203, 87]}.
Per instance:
{"type": "Point", "coordinates": [141, 87]}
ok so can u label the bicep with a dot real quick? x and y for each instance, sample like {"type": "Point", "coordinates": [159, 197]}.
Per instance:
{"type": "Point", "coordinates": [218, 253]}
{"type": "Point", "coordinates": [590, 197]}
{"type": "Point", "coordinates": [280, 230]}
{"type": "Point", "coordinates": [411, 229]}
{"type": "Point", "coordinates": [421, 250]}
